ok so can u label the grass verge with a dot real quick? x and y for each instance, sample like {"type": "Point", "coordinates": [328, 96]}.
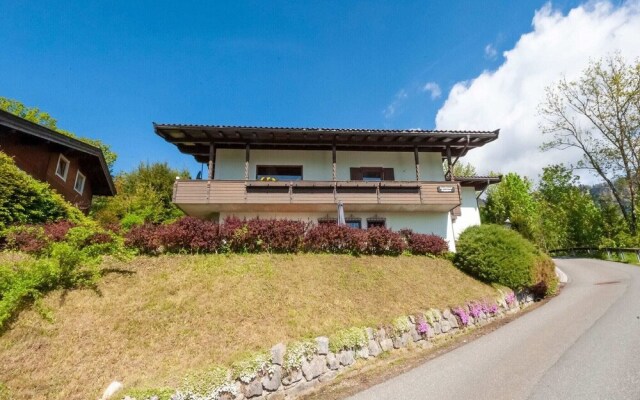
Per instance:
{"type": "Point", "coordinates": [157, 319]}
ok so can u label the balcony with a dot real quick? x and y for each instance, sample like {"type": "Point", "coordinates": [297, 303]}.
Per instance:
{"type": "Point", "coordinates": [203, 197]}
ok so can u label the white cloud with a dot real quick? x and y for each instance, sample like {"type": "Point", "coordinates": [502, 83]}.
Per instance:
{"type": "Point", "coordinates": [433, 88]}
{"type": "Point", "coordinates": [490, 52]}
{"type": "Point", "coordinates": [508, 97]}
{"type": "Point", "coordinates": [398, 99]}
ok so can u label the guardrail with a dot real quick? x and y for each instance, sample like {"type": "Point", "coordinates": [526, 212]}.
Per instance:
{"type": "Point", "coordinates": [594, 250]}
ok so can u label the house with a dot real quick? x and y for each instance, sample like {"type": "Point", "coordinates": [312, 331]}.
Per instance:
{"type": "Point", "coordinates": [392, 178]}
{"type": "Point", "coordinates": [75, 169]}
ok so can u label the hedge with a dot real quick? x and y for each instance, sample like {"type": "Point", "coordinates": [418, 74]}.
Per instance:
{"type": "Point", "coordinates": [194, 235]}
{"type": "Point", "coordinates": [495, 254]}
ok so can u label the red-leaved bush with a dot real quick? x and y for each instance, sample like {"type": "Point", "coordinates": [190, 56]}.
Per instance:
{"type": "Point", "coordinates": [194, 235]}
{"type": "Point", "coordinates": [333, 238]}
{"type": "Point", "coordinates": [190, 234]}
{"type": "Point", "coordinates": [27, 238]}
{"type": "Point", "coordinates": [187, 234]}
{"type": "Point", "coordinates": [421, 244]}
{"type": "Point", "coordinates": [258, 235]}
{"type": "Point", "coordinates": [384, 242]}
{"type": "Point", "coordinates": [145, 238]}
{"type": "Point", "coordinates": [56, 231]}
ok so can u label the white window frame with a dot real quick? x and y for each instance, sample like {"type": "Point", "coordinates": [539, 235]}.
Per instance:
{"type": "Point", "coordinates": [84, 181]}
{"type": "Point", "coordinates": [66, 170]}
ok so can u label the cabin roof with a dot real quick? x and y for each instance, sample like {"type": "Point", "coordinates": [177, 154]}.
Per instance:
{"type": "Point", "coordinates": [195, 139]}
{"type": "Point", "coordinates": [97, 171]}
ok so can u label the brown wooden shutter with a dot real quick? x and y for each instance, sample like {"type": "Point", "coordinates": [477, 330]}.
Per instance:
{"type": "Point", "coordinates": [387, 174]}
{"type": "Point", "coordinates": [356, 174]}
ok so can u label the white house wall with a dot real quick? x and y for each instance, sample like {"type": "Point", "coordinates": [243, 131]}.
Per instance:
{"type": "Point", "coordinates": [470, 215]}
{"type": "Point", "coordinates": [317, 165]}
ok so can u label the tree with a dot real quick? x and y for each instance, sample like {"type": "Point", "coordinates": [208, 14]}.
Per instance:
{"type": "Point", "coordinates": [464, 169]}
{"type": "Point", "coordinates": [569, 216]}
{"type": "Point", "coordinates": [512, 199]}
{"type": "Point", "coordinates": [43, 118]}
{"type": "Point", "coordinates": [599, 114]}
{"type": "Point", "coordinates": [144, 195]}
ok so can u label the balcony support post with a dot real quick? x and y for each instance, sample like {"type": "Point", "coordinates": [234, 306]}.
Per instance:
{"type": "Point", "coordinates": [416, 157]}
{"type": "Point", "coordinates": [246, 162]}
{"type": "Point", "coordinates": [212, 160]}
{"type": "Point", "coordinates": [449, 174]}
{"type": "Point", "coordinates": [333, 160]}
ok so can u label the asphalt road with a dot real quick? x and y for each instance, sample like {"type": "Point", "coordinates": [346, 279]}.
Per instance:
{"type": "Point", "coordinates": [583, 344]}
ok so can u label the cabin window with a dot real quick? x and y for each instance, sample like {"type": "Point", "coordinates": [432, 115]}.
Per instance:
{"type": "Point", "coordinates": [279, 172]}
{"type": "Point", "coordinates": [376, 222]}
{"type": "Point", "coordinates": [80, 180]}
{"type": "Point", "coordinates": [354, 222]}
{"type": "Point", "coordinates": [62, 169]}
{"type": "Point", "coordinates": [372, 174]}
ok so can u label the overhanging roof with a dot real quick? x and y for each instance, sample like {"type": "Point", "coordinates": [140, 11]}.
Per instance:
{"type": "Point", "coordinates": [98, 171]}
{"type": "Point", "coordinates": [478, 182]}
{"type": "Point", "coordinates": [195, 139]}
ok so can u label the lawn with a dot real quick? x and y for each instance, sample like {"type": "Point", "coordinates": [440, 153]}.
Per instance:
{"type": "Point", "coordinates": [154, 319]}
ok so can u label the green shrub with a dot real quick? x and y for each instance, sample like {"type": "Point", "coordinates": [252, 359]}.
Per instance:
{"type": "Point", "coordinates": [499, 255]}
{"type": "Point", "coordinates": [70, 263]}
{"type": "Point", "coordinates": [25, 200]}
{"type": "Point", "coordinates": [348, 339]}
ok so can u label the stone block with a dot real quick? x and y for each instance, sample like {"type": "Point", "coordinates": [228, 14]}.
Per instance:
{"type": "Point", "coordinates": [252, 389]}
{"type": "Point", "coordinates": [277, 353]}
{"type": "Point", "coordinates": [386, 344]}
{"type": "Point", "coordinates": [323, 345]}
{"type": "Point", "coordinates": [370, 333]}
{"type": "Point", "coordinates": [415, 336]}
{"type": "Point", "coordinates": [363, 353]}
{"type": "Point", "coordinates": [293, 377]}
{"type": "Point", "coordinates": [400, 342]}
{"type": "Point", "coordinates": [374, 348]}
{"type": "Point", "coordinates": [314, 368]}
{"type": "Point", "coordinates": [445, 325]}
{"type": "Point", "coordinates": [381, 334]}
{"type": "Point", "coordinates": [332, 361]}
{"type": "Point", "coordinates": [273, 381]}
{"type": "Point", "coordinates": [346, 357]}
{"type": "Point", "coordinates": [437, 328]}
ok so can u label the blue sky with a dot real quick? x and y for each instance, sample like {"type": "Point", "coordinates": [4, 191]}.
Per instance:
{"type": "Point", "coordinates": [109, 69]}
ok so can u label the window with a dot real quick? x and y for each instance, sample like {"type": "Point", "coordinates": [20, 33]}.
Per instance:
{"type": "Point", "coordinates": [279, 172]}
{"type": "Point", "coordinates": [376, 222]}
{"type": "Point", "coordinates": [327, 220]}
{"type": "Point", "coordinates": [354, 222]}
{"type": "Point", "coordinates": [62, 169]}
{"type": "Point", "coordinates": [80, 180]}
{"type": "Point", "coordinates": [372, 174]}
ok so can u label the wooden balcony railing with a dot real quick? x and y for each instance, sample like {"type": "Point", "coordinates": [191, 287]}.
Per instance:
{"type": "Point", "coordinates": [224, 195]}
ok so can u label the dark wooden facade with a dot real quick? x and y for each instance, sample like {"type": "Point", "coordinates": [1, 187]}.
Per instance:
{"type": "Point", "coordinates": [37, 150]}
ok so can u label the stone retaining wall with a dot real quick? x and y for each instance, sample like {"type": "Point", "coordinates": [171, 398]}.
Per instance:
{"type": "Point", "coordinates": [325, 365]}
{"type": "Point", "coordinates": [318, 364]}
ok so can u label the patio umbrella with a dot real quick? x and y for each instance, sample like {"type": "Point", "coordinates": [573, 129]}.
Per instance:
{"type": "Point", "coordinates": [341, 220]}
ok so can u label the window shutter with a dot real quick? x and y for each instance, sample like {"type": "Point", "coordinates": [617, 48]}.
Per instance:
{"type": "Point", "coordinates": [387, 174]}
{"type": "Point", "coordinates": [356, 174]}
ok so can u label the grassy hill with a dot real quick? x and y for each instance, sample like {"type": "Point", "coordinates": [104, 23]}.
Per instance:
{"type": "Point", "coordinates": [155, 319]}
